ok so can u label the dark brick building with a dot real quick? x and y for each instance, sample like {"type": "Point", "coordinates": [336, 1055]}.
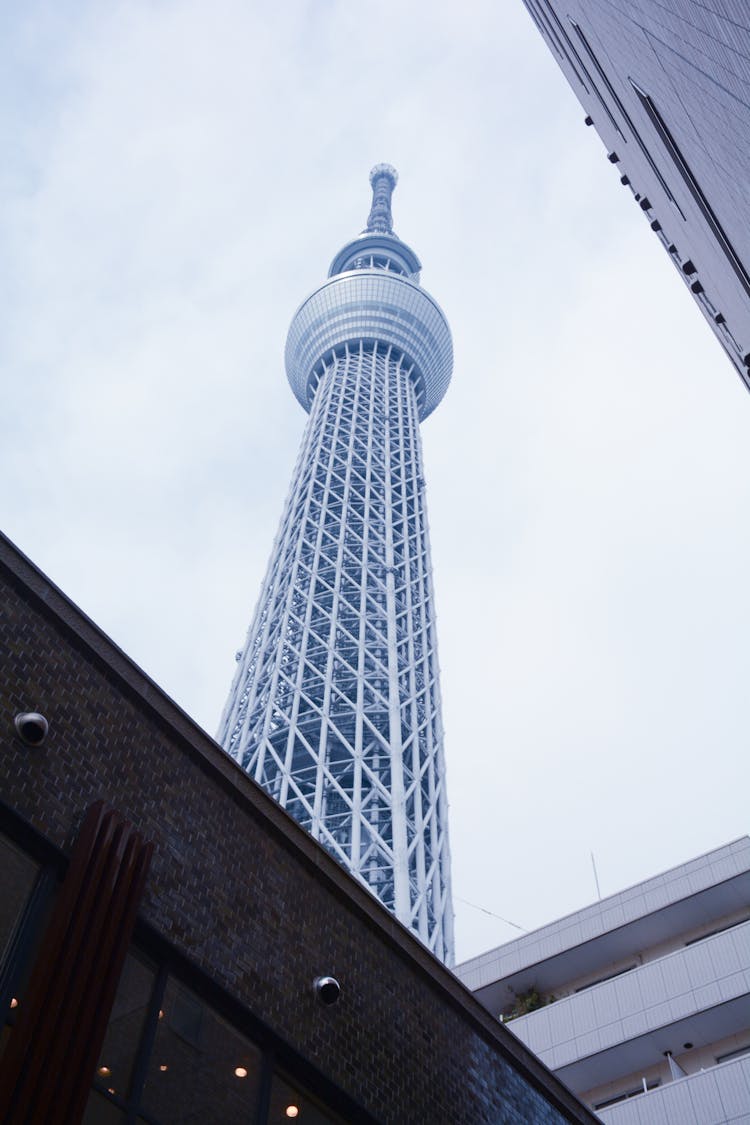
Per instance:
{"type": "Point", "coordinates": [162, 922]}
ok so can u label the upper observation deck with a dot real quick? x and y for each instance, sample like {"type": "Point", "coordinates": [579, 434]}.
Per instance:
{"type": "Point", "coordinates": [373, 295]}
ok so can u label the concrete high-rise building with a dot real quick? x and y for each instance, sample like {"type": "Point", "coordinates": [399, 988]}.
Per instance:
{"type": "Point", "coordinates": [640, 1003]}
{"type": "Point", "coordinates": [667, 87]}
{"type": "Point", "coordinates": [335, 705]}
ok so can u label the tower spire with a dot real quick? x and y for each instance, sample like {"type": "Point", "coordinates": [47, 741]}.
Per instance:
{"type": "Point", "coordinates": [383, 178]}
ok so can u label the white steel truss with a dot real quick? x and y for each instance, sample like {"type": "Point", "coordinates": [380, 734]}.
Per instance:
{"type": "Point", "coordinates": [335, 705]}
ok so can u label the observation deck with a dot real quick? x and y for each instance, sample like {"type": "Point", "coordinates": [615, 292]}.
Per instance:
{"type": "Point", "coordinates": [373, 295]}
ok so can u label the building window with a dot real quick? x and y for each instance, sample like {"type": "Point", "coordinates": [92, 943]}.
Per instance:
{"type": "Point", "coordinates": [168, 1055]}
{"type": "Point", "coordinates": [19, 876]}
{"type": "Point", "coordinates": [718, 930]}
{"type": "Point", "coordinates": [289, 1103]}
{"type": "Point", "coordinates": [609, 976]}
{"type": "Point", "coordinates": [28, 893]}
{"type": "Point", "coordinates": [693, 186]}
{"type": "Point", "coordinates": [201, 1068]}
{"type": "Point", "coordinates": [634, 1093]}
{"type": "Point", "coordinates": [126, 1023]}
{"type": "Point", "coordinates": [100, 1111]}
{"type": "Point", "coordinates": [738, 1054]}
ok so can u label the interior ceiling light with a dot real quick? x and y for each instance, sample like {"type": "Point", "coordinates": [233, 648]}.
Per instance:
{"type": "Point", "coordinates": [240, 1071]}
{"type": "Point", "coordinates": [292, 1111]}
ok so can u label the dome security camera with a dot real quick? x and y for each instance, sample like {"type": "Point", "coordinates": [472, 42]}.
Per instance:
{"type": "Point", "coordinates": [31, 727]}
{"type": "Point", "coordinates": [327, 989]}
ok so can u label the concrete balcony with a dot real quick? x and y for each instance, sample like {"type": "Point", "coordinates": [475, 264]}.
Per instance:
{"type": "Point", "coordinates": [711, 1097]}
{"type": "Point", "coordinates": [636, 919]}
{"type": "Point", "coordinates": [698, 993]}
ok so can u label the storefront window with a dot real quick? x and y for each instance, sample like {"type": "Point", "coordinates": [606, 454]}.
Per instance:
{"type": "Point", "coordinates": [19, 875]}
{"type": "Point", "coordinates": [19, 878]}
{"type": "Point", "coordinates": [289, 1104]}
{"type": "Point", "coordinates": [118, 1053]}
{"type": "Point", "coordinates": [100, 1111]}
{"type": "Point", "coordinates": [201, 1069]}
{"type": "Point", "coordinates": [168, 1058]}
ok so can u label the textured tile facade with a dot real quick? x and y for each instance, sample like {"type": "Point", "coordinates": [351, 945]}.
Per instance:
{"type": "Point", "coordinates": [681, 146]}
{"type": "Point", "coordinates": [240, 890]}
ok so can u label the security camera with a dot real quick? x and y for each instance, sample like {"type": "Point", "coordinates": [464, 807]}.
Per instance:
{"type": "Point", "coordinates": [327, 989]}
{"type": "Point", "coordinates": [32, 727]}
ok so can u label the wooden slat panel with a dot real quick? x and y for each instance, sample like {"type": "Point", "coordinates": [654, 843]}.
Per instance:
{"type": "Point", "coordinates": [49, 1063]}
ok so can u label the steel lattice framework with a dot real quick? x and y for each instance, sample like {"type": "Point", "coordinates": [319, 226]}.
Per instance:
{"type": "Point", "coordinates": [335, 705]}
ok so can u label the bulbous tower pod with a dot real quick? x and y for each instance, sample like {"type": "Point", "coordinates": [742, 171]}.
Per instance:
{"type": "Point", "coordinates": [335, 705]}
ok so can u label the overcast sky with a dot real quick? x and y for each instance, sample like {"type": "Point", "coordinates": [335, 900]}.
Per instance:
{"type": "Point", "coordinates": [176, 178]}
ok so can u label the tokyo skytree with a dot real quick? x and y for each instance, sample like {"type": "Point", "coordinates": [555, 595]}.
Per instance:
{"type": "Point", "coordinates": [335, 704]}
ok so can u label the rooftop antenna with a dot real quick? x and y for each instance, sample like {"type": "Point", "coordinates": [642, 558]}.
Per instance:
{"type": "Point", "coordinates": [383, 179]}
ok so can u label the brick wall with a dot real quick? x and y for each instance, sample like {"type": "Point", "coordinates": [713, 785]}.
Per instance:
{"type": "Point", "coordinates": [239, 889]}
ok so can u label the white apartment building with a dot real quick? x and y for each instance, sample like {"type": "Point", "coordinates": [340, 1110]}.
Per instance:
{"type": "Point", "coordinates": [640, 1002]}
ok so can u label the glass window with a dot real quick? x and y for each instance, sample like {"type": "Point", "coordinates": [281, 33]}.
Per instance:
{"type": "Point", "coordinates": [289, 1103]}
{"type": "Point", "coordinates": [200, 1069]}
{"type": "Point", "coordinates": [635, 1093]}
{"type": "Point", "coordinates": [738, 1054]}
{"type": "Point", "coordinates": [19, 875]}
{"type": "Point", "coordinates": [126, 1022]}
{"type": "Point", "coordinates": [18, 947]}
{"type": "Point", "coordinates": [100, 1111]}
